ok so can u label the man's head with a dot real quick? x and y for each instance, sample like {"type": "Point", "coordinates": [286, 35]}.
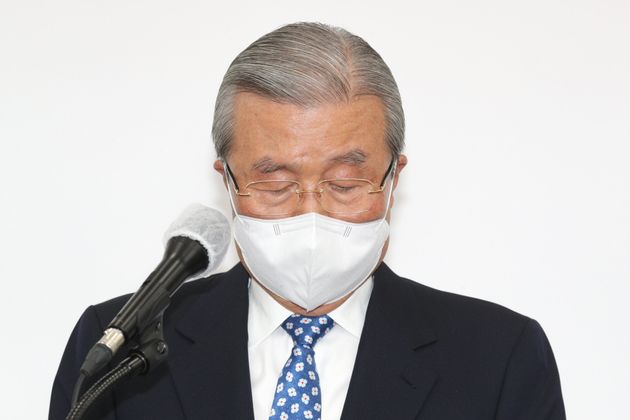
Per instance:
{"type": "Point", "coordinates": [308, 64]}
{"type": "Point", "coordinates": [309, 103]}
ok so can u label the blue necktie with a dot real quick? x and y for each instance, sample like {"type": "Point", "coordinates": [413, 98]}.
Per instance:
{"type": "Point", "coordinates": [298, 395]}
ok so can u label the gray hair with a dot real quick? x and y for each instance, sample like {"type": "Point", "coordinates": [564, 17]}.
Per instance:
{"type": "Point", "coordinates": [309, 64]}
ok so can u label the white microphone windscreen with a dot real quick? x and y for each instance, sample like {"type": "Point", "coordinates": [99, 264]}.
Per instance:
{"type": "Point", "coordinates": [209, 227]}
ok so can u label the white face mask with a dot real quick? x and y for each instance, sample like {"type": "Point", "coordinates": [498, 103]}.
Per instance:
{"type": "Point", "coordinates": [310, 259]}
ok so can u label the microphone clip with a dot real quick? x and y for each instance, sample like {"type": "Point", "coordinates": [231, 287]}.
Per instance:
{"type": "Point", "coordinates": [151, 347]}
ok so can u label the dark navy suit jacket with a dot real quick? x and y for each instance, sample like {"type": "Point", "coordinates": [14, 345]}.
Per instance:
{"type": "Point", "coordinates": [423, 355]}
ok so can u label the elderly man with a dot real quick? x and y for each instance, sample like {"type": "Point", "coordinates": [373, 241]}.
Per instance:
{"type": "Point", "coordinates": [308, 129]}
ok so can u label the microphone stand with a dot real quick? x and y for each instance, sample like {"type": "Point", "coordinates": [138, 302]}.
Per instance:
{"type": "Point", "coordinates": [150, 351]}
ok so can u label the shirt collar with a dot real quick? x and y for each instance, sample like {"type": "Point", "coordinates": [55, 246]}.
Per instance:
{"type": "Point", "coordinates": [266, 314]}
{"type": "Point", "coordinates": [351, 314]}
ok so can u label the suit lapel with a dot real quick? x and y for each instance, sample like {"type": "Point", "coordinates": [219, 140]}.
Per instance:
{"type": "Point", "coordinates": [211, 371]}
{"type": "Point", "coordinates": [391, 379]}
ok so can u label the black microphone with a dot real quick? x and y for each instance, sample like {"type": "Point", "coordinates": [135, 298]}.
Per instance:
{"type": "Point", "coordinates": [195, 245]}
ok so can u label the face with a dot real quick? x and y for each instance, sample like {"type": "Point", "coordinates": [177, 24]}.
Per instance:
{"type": "Point", "coordinates": [274, 141]}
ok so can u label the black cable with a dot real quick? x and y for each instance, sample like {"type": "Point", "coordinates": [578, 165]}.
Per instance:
{"type": "Point", "coordinates": [132, 364]}
{"type": "Point", "coordinates": [96, 359]}
{"type": "Point", "coordinates": [76, 393]}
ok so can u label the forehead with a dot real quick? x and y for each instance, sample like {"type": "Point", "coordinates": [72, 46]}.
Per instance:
{"type": "Point", "coordinates": [301, 135]}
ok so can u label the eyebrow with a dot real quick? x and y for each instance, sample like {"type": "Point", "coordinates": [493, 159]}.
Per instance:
{"type": "Point", "coordinates": [355, 157]}
{"type": "Point", "coordinates": [267, 165]}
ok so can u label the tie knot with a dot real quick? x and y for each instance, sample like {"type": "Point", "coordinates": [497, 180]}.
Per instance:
{"type": "Point", "coordinates": [306, 330]}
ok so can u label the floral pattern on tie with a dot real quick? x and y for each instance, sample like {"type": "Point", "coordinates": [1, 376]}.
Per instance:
{"type": "Point", "coordinates": [298, 395]}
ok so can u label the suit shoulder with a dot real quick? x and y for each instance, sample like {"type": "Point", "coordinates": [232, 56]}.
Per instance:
{"type": "Point", "coordinates": [457, 313]}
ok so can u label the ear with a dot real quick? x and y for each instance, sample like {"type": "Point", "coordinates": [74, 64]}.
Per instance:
{"type": "Point", "coordinates": [400, 165]}
{"type": "Point", "coordinates": [218, 166]}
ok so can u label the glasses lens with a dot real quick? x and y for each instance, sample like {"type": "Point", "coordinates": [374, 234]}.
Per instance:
{"type": "Point", "coordinates": [272, 197]}
{"type": "Point", "coordinates": [349, 196]}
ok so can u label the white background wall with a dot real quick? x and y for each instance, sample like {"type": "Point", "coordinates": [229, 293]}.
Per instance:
{"type": "Point", "coordinates": [517, 190]}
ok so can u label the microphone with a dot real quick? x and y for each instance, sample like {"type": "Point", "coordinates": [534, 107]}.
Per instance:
{"type": "Point", "coordinates": [196, 242]}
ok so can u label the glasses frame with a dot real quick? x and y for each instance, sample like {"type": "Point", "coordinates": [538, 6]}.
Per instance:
{"type": "Point", "coordinates": [320, 191]}
{"type": "Point", "coordinates": [299, 191]}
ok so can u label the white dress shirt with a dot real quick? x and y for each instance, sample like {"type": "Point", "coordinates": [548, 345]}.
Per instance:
{"type": "Point", "coordinates": [269, 347]}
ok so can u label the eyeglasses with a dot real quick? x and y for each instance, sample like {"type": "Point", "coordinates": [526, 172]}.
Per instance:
{"type": "Point", "coordinates": [344, 196]}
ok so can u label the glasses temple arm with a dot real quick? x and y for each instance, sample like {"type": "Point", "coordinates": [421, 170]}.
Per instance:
{"type": "Point", "coordinates": [388, 172]}
{"type": "Point", "coordinates": [231, 175]}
